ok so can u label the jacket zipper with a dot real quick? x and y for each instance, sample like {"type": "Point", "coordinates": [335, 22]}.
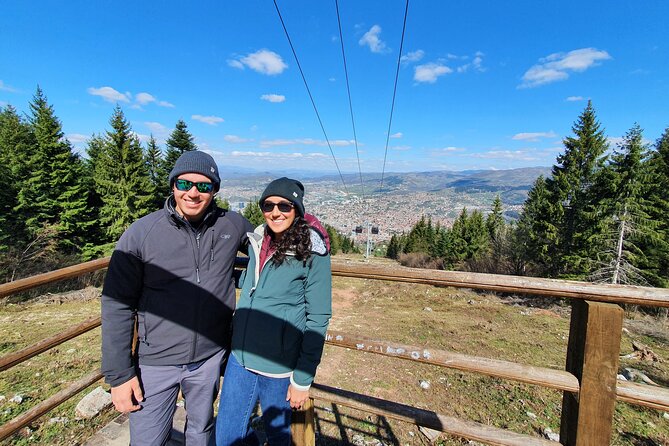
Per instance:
{"type": "Point", "coordinates": [197, 307]}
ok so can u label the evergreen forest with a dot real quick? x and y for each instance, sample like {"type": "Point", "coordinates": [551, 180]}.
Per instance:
{"type": "Point", "coordinates": [602, 214]}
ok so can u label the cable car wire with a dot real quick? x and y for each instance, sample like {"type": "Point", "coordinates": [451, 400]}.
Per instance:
{"type": "Point", "coordinates": [350, 102]}
{"type": "Point", "coordinates": [392, 106]}
{"type": "Point", "coordinates": [313, 103]}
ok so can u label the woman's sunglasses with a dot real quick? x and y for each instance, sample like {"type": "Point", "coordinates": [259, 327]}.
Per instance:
{"type": "Point", "coordinates": [284, 206]}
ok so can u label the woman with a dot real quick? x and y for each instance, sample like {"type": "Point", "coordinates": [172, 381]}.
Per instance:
{"type": "Point", "coordinates": [281, 319]}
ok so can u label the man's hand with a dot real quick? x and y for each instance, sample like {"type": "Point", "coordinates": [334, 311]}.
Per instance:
{"type": "Point", "coordinates": [127, 396]}
{"type": "Point", "coordinates": [296, 397]}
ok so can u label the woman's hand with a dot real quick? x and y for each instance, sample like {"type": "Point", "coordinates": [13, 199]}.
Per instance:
{"type": "Point", "coordinates": [297, 397]}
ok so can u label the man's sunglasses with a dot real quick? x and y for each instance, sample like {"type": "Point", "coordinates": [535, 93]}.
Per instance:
{"type": "Point", "coordinates": [202, 187]}
{"type": "Point", "coordinates": [284, 206]}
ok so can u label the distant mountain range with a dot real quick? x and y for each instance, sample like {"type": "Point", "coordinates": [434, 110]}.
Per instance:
{"type": "Point", "coordinates": [511, 184]}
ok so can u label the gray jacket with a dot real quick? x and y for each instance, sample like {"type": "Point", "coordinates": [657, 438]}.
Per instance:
{"type": "Point", "coordinates": [179, 282]}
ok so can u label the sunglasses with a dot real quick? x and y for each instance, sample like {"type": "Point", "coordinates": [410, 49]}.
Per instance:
{"type": "Point", "coordinates": [202, 187]}
{"type": "Point", "coordinates": [284, 206]}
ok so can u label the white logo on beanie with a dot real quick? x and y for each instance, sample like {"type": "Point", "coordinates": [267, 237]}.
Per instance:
{"type": "Point", "coordinates": [212, 169]}
{"type": "Point", "coordinates": [295, 194]}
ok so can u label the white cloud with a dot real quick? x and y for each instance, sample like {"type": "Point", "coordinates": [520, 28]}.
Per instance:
{"type": "Point", "coordinates": [557, 66]}
{"type": "Point", "coordinates": [277, 156]}
{"type": "Point", "coordinates": [144, 98]}
{"type": "Point", "coordinates": [157, 128]}
{"type": "Point", "coordinates": [109, 94]}
{"type": "Point", "coordinates": [77, 138]}
{"type": "Point", "coordinates": [521, 155]}
{"type": "Point", "coordinates": [447, 150]}
{"type": "Point", "coordinates": [234, 63]}
{"type": "Point", "coordinates": [476, 64]}
{"type": "Point", "coordinates": [234, 139]}
{"type": "Point", "coordinates": [263, 61]}
{"type": "Point", "coordinates": [5, 87]}
{"type": "Point", "coordinates": [273, 97]}
{"type": "Point", "coordinates": [305, 141]}
{"type": "Point", "coordinates": [401, 148]}
{"type": "Point", "coordinates": [533, 136]}
{"type": "Point", "coordinates": [430, 72]}
{"type": "Point", "coordinates": [211, 120]}
{"type": "Point", "coordinates": [575, 98]}
{"type": "Point", "coordinates": [165, 104]}
{"type": "Point", "coordinates": [397, 135]}
{"type": "Point", "coordinates": [412, 56]}
{"type": "Point", "coordinates": [372, 40]}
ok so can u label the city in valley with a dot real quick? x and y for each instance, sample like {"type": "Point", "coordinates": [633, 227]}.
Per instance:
{"type": "Point", "coordinates": [404, 199]}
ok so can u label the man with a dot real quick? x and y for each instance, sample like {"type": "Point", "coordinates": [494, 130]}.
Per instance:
{"type": "Point", "coordinates": [172, 274]}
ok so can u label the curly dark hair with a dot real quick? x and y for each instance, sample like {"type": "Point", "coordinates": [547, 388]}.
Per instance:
{"type": "Point", "coordinates": [297, 238]}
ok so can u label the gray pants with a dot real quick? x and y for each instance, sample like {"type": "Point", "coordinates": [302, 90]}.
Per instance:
{"type": "Point", "coordinates": [199, 383]}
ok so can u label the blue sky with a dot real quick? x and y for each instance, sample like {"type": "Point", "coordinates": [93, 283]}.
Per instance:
{"type": "Point", "coordinates": [482, 84]}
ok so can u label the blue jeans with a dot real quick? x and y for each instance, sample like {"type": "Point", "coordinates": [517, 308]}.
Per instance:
{"type": "Point", "coordinates": [241, 390]}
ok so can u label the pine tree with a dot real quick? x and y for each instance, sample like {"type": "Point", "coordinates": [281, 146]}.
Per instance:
{"type": "Point", "coordinates": [495, 219]}
{"type": "Point", "coordinates": [421, 237]}
{"type": "Point", "coordinates": [536, 234]}
{"type": "Point", "coordinates": [16, 144]}
{"type": "Point", "coordinates": [7, 220]}
{"type": "Point", "coordinates": [253, 213]}
{"type": "Point", "coordinates": [498, 237]}
{"type": "Point", "coordinates": [54, 194]}
{"type": "Point", "coordinates": [569, 186]}
{"type": "Point", "coordinates": [335, 239]}
{"type": "Point", "coordinates": [157, 175]}
{"type": "Point", "coordinates": [627, 227]}
{"type": "Point", "coordinates": [121, 178]}
{"type": "Point", "coordinates": [659, 199]}
{"type": "Point", "coordinates": [222, 203]}
{"type": "Point", "coordinates": [180, 141]}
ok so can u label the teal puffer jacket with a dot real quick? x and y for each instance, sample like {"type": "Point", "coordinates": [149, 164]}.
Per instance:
{"type": "Point", "coordinates": [283, 312]}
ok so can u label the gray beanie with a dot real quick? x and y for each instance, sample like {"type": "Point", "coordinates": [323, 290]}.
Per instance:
{"type": "Point", "coordinates": [196, 161]}
{"type": "Point", "coordinates": [287, 188]}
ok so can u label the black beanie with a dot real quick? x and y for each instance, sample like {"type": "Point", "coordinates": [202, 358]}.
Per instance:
{"type": "Point", "coordinates": [287, 188]}
{"type": "Point", "coordinates": [196, 161]}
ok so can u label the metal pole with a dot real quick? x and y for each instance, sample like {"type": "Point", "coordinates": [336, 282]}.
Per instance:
{"type": "Point", "coordinates": [367, 251]}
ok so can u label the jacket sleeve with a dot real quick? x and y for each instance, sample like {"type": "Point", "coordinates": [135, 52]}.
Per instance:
{"type": "Point", "coordinates": [120, 296]}
{"type": "Point", "coordinates": [318, 298]}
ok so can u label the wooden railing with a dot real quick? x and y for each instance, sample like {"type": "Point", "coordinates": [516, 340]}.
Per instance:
{"type": "Point", "coordinates": [589, 385]}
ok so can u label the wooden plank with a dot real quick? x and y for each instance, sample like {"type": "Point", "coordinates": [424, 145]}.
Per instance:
{"type": "Point", "coordinates": [302, 425]}
{"type": "Point", "coordinates": [555, 379]}
{"type": "Point", "coordinates": [45, 406]}
{"type": "Point", "coordinates": [491, 282]}
{"type": "Point", "coordinates": [28, 283]}
{"type": "Point", "coordinates": [592, 355]}
{"type": "Point", "coordinates": [643, 395]}
{"type": "Point", "coordinates": [636, 295]}
{"type": "Point", "coordinates": [10, 360]}
{"type": "Point", "coordinates": [462, 428]}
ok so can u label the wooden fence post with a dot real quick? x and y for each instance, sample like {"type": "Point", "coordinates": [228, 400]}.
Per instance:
{"type": "Point", "coordinates": [592, 356]}
{"type": "Point", "coordinates": [302, 425]}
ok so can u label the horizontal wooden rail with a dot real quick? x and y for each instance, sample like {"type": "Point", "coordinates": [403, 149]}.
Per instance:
{"type": "Point", "coordinates": [12, 359]}
{"type": "Point", "coordinates": [637, 394]}
{"type": "Point", "coordinates": [643, 395]}
{"type": "Point", "coordinates": [9, 288]}
{"type": "Point", "coordinates": [555, 379]}
{"type": "Point", "coordinates": [620, 294]}
{"type": "Point", "coordinates": [462, 428]}
{"type": "Point", "coordinates": [45, 406]}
